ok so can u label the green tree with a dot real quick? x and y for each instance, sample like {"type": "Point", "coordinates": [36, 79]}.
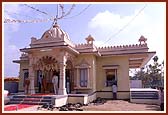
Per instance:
{"type": "Point", "coordinates": [155, 73]}
{"type": "Point", "coordinates": [152, 75]}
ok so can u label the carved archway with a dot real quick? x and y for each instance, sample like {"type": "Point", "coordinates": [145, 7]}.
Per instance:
{"type": "Point", "coordinates": [46, 63]}
{"type": "Point", "coordinates": [46, 66]}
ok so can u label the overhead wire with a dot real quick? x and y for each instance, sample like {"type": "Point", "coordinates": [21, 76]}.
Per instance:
{"type": "Point", "coordinates": [36, 9]}
{"type": "Point", "coordinates": [61, 6]}
{"type": "Point", "coordinates": [79, 12]}
{"type": "Point", "coordinates": [12, 13]}
{"type": "Point", "coordinates": [7, 20]}
{"type": "Point", "coordinates": [63, 15]}
{"type": "Point", "coordinates": [115, 34]}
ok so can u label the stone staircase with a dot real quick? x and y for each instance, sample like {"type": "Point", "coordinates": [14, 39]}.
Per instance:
{"type": "Point", "coordinates": [144, 95]}
{"type": "Point", "coordinates": [30, 99]}
{"type": "Point", "coordinates": [148, 96]}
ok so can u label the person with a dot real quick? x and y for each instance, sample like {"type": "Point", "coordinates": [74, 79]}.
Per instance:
{"type": "Point", "coordinates": [27, 83]}
{"type": "Point", "coordinates": [114, 89]}
{"type": "Point", "coordinates": [40, 82]}
{"type": "Point", "coordinates": [55, 83]}
{"type": "Point", "coordinates": [161, 96]}
{"type": "Point", "coordinates": [44, 83]}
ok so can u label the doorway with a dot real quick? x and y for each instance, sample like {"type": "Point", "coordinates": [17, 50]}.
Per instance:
{"type": "Point", "coordinates": [68, 81]}
{"type": "Point", "coordinates": [46, 81]}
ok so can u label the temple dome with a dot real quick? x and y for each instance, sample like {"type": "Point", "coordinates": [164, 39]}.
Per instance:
{"type": "Point", "coordinates": [55, 32]}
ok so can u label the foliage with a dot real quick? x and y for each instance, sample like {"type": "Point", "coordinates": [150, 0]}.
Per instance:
{"type": "Point", "coordinates": [152, 75]}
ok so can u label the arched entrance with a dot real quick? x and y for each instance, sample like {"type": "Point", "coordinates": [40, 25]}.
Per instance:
{"type": "Point", "coordinates": [69, 77]}
{"type": "Point", "coordinates": [45, 67]}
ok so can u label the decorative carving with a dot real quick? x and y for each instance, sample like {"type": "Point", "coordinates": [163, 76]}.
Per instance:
{"type": "Point", "coordinates": [83, 64]}
{"type": "Point", "coordinates": [46, 63]}
{"type": "Point", "coordinates": [46, 35]}
{"type": "Point", "coordinates": [24, 54]}
{"type": "Point", "coordinates": [33, 39]}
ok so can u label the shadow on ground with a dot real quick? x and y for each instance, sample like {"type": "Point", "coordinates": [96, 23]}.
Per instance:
{"type": "Point", "coordinates": [153, 107]}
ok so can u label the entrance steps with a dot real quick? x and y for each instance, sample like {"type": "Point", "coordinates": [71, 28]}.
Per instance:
{"type": "Point", "coordinates": [30, 99]}
{"type": "Point", "coordinates": [144, 95]}
{"type": "Point", "coordinates": [56, 100]}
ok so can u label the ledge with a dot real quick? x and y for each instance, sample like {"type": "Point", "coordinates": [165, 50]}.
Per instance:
{"type": "Point", "coordinates": [82, 88]}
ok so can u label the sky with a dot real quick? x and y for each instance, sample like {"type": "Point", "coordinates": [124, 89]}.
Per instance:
{"type": "Point", "coordinates": [110, 24]}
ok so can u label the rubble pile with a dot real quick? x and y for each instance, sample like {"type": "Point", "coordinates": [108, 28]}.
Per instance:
{"type": "Point", "coordinates": [99, 101]}
{"type": "Point", "coordinates": [72, 106]}
{"type": "Point", "coordinates": [67, 107]}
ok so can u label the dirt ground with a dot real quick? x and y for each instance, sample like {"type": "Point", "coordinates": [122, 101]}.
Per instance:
{"type": "Point", "coordinates": [121, 105]}
{"type": "Point", "coordinates": [109, 105]}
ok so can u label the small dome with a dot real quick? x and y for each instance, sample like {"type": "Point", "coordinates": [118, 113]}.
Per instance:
{"type": "Point", "coordinates": [55, 32]}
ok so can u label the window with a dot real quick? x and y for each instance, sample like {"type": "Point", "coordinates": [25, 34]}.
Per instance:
{"type": "Point", "coordinates": [83, 71]}
{"type": "Point", "coordinates": [110, 77]}
{"type": "Point", "coordinates": [83, 77]}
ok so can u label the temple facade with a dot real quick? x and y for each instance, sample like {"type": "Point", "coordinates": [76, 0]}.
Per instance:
{"type": "Point", "coordinates": [82, 68]}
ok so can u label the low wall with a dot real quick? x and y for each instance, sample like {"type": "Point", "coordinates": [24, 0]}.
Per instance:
{"type": "Point", "coordinates": [86, 98]}
{"type": "Point", "coordinates": [60, 100]}
{"type": "Point", "coordinates": [11, 86]}
{"type": "Point", "coordinates": [91, 97]}
{"type": "Point", "coordinates": [78, 98]}
{"type": "Point", "coordinates": [109, 94]}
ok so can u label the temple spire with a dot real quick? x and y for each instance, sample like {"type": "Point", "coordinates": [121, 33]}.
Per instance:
{"type": "Point", "coordinates": [56, 18]}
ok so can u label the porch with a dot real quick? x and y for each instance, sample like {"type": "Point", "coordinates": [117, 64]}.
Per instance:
{"type": "Point", "coordinates": [56, 100]}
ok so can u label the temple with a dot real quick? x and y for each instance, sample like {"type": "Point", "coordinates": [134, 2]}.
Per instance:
{"type": "Point", "coordinates": [82, 68]}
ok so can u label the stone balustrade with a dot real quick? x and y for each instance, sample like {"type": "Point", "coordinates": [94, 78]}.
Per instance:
{"type": "Point", "coordinates": [122, 47]}
{"type": "Point", "coordinates": [83, 45]}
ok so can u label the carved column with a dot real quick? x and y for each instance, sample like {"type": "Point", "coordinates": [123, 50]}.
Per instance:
{"type": "Point", "coordinates": [62, 89]}
{"type": "Point", "coordinates": [31, 75]}
{"type": "Point", "coordinates": [77, 78]}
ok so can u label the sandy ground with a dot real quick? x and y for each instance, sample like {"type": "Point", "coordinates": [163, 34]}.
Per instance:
{"type": "Point", "coordinates": [120, 105]}
{"type": "Point", "coordinates": [110, 105]}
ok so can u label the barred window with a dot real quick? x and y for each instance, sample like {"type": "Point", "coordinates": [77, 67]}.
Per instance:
{"type": "Point", "coordinates": [83, 77]}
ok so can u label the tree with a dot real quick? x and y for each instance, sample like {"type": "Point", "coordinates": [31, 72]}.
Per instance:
{"type": "Point", "coordinates": [143, 76]}
{"type": "Point", "coordinates": [152, 75]}
{"type": "Point", "coordinates": [155, 72]}
{"type": "Point", "coordinates": [155, 59]}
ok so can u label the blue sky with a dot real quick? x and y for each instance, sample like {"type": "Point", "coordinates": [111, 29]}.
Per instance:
{"type": "Point", "coordinates": [101, 20]}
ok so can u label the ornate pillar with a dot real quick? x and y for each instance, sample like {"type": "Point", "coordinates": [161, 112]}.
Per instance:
{"type": "Point", "coordinates": [31, 75]}
{"type": "Point", "coordinates": [88, 78]}
{"type": "Point", "coordinates": [62, 89]}
{"type": "Point", "coordinates": [77, 78]}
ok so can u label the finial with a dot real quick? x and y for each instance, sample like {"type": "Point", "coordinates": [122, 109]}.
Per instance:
{"type": "Point", "coordinates": [89, 39]}
{"type": "Point", "coordinates": [142, 39]}
{"type": "Point", "coordinates": [55, 24]}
